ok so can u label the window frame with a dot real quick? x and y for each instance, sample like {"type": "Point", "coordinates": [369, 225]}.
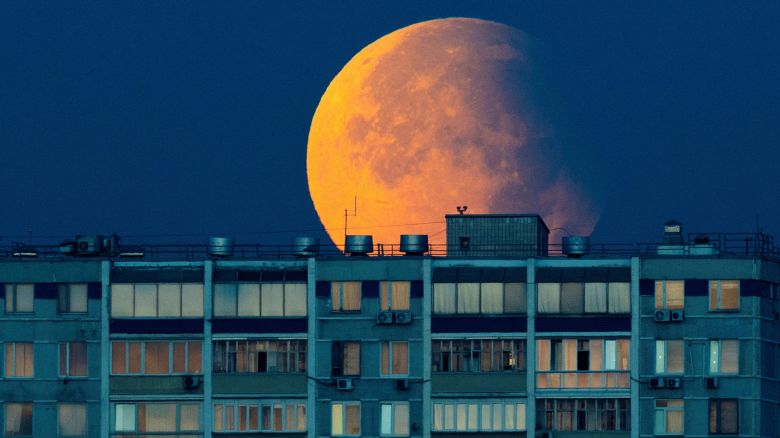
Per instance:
{"type": "Point", "coordinates": [235, 293]}
{"type": "Point", "coordinates": [664, 298]}
{"type": "Point", "coordinates": [177, 419]}
{"type": "Point", "coordinates": [610, 288]}
{"type": "Point", "coordinates": [133, 300]}
{"type": "Point", "coordinates": [391, 374]}
{"type": "Point", "coordinates": [386, 294]}
{"type": "Point", "coordinates": [448, 349]}
{"type": "Point", "coordinates": [86, 418]}
{"type": "Point", "coordinates": [393, 406]}
{"type": "Point", "coordinates": [479, 415]}
{"type": "Point", "coordinates": [665, 360]}
{"type": "Point", "coordinates": [596, 412]}
{"type": "Point", "coordinates": [67, 363]}
{"type": "Point", "coordinates": [719, 296]}
{"type": "Point", "coordinates": [344, 405]}
{"type": "Point", "coordinates": [22, 405]}
{"type": "Point", "coordinates": [340, 285]}
{"type": "Point", "coordinates": [479, 299]}
{"type": "Point", "coordinates": [12, 290]}
{"type": "Point", "coordinates": [6, 372]}
{"type": "Point", "coordinates": [718, 420]}
{"type": "Point", "coordinates": [718, 364]}
{"type": "Point", "coordinates": [664, 411]}
{"type": "Point", "coordinates": [65, 299]}
{"type": "Point", "coordinates": [294, 360]}
{"type": "Point", "coordinates": [142, 358]}
{"type": "Point", "coordinates": [259, 404]}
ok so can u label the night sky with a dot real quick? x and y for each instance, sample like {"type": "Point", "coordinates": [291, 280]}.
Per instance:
{"type": "Point", "coordinates": [174, 121]}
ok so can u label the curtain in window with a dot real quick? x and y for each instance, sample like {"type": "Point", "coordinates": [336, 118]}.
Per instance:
{"type": "Point", "coordinates": [571, 298]}
{"type": "Point", "coordinates": [145, 300]}
{"type": "Point", "coordinates": [225, 299]}
{"type": "Point", "coordinates": [25, 298]}
{"type": "Point", "coordinates": [156, 358]}
{"type": "Point", "coordinates": [570, 354]}
{"type": "Point", "coordinates": [492, 298]}
{"type": "Point", "coordinates": [351, 359]}
{"type": "Point", "coordinates": [444, 298]}
{"type": "Point", "coordinates": [514, 298]}
{"type": "Point", "coordinates": [189, 416]}
{"type": "Point", "coordinates": [351, 295]}
{"type": "Point", "coordinates": [169, 299]}
{"type": "Point", "coordinates": [125, 418]}
{"type": "Point", "coordinates": [248, 300]}
{"type": "Point", "coordinates": [595, 298]}
{"type": "Point", "coordinates": [295, 299]}
{"type": "Point", "coordinates": [77, 365]}
{"type": "Point", "coordinates": [13, 418]}
{"type": "Point", "coordinates": [73, 419]}
{"type": "Point", "coordinates": [549, 297]}
{"type": "Point", "coordinates": [78, 298]}
{"type": "Point", "coordinates": [400, 295]}
{"type": "Point", "coordinates": [156, 417]}
{"type": "Point", "coordinates": [674, 356]}
{"type": "Point", "coordinates": [468, 297]}
{"type": "Point", "coordinates": [192, 299]}
{"type": "Point", "coordinates": [623, 347]}
{"type": "Point", "coordinates": [543, 355]}
{"type": "Point", "coordinates": [729, 356]}
{"type": "Point", "coordinates": [401, 419]}
{"type": "Point", "coordinates": [400, 358]}
{"type": "Point", "coordinates": [272, 299]}
{"type": "Point", "coordinates": [121, 300]}
{"type": "Point", "coordinates": [596, 354]}
{"type": "Point", "coordinates": [337, 419]}
{"type": "Point", "coordinates": [619, 298]}
{"type": "Point", "coordinates": [353, 420]}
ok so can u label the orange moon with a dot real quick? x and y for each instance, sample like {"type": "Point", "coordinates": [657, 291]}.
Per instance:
{"type": "Point", "coordinates": [432, 116]}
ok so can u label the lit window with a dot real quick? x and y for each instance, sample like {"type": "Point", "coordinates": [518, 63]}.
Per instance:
{"type": "Point", "coordinates": [669, 294]}
{"type": "Point", "coordinates": [260, 356]}
{"type": "Point", "coordinates": [669, 357]}
{"type": "Point", "coordinates": [152, 300]}
{"type": "Point", "coordinates": [395, 419]}
{"type": "Point", "coordinates": [19, 298]}
{"type": "Point", "coordinates": [478, 298]}
{"type": "Point", "coordinates": [724, 416]}
{"type": "Point", "coordinates": [478, 355]}
{"type": "Point", "coordinates": [345, 358]}
{"type": "Point", "coordinates": [548, 297]}
{"type": "Point", "coordinates": [19, 359]}
{"type": "Point", "coordinates": [345, 296]}
{"type": "Point", "coordinates": [582, 363]}
{"type": "Point", "coordinates": [724, 294]}
{"type": "Point", "coordinates": [72, 419]}
{"type": "Point", "coordinates": [73, 359]}
{"type": "Point", "coordinates": [18, 419]}
{"type": "Point", "coordinates": [482, 415]}
{"type": "Point", "coordinates": [395, 358]}
{"type": "Point", "coordinates": [669, 415]}
{"type": "Point", "coordinates": [72, 298]}
{"type": "Point", "coordinates": [171, 417]}
{"type": "Point", "coordinates": [345, 419]}
{"type": "Point", "coordinates": [724, 356]}
{"type": "Point", "coordinates": [260, 416]}
{"type": "Point", "coordinates": [394, 295]}
{"type": "Point", "coordinates": [154, 357]}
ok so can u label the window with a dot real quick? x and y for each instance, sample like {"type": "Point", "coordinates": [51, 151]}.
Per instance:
{"type": "Point", "coordinates": [153, 300]}
{"type": "Point", "coordinates": [395, 419]}
{"type": "Point", "coordinates": [345, 358]}
{"type": "Point", "coordinates": [479, 298]}
{"type": "Point", "coordinates": [19, 298]}
{"type": "Point", "coordinates": [345, 296]}
{"type": "Point", "coordinates": [478, 355]}
{"type": "Point", "coordinates": [583, 414]}
{"type": "Point", "coordinates": [395, 358]}
{"type": "Point", "coordinates": [18, 419]}
{"type": "Point", "coordinates": [582, 363]}
{"type": "Point", "coordinates": [163, 419]}
{"type": "Point", "coordinates": [669, 415]}
{"type": "Point", "coordinates": [724, 357]}
{"type": "Point", "coordinates": [260, 299]}
{"type": "Point", "coordinates": [724, 416]}
{"type": "Point", "coordinates": [394, 295]}
{"type": "Point", "coordinates": [19, 359]}
{"type": "Point", "coordinates": [478, 415]}
{"type": "Point", "coordinates": [72, 419]}
{"type": "Point", "coordinates": [577, 298]}
{"type": "Point", "coordinates": [669, 294]}
{"type": "Point", "coordinates": [669, 357]}
{"type": "Point", "coordinates": [156, 357]}
{"type": "Point", "coordinates": [345, 419]}
{"type": "Point", "coordinates": [260, 356]}
{"type": "Point", "coordinates": [724, 294]}
{"type": "Point", "coordinates": [260, 416]}
{"type": "Point", "coordinates": [72, 298]}
{"type": "Point", "coordinates": [73, 359]}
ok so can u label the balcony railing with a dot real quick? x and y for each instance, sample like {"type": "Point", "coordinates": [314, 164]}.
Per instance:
{"type": "Point", "coordinates": [582, 380]}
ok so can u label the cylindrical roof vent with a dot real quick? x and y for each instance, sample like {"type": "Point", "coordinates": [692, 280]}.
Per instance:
{"type": "Point", "coordinates": [221, 246]}
{"type": "Point", "coordinates": [305, 246]}
{"type": "Point", "coordinates": [575, 246]}
{"type": "Point", "coordinates": [359, 245]}
{"type": "Point", "coordinates": [414, 244]}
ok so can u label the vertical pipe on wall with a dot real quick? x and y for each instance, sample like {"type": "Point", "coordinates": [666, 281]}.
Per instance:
{"type": "Point", "coordinates": [208, 345]}
{"type": "Point", "coordinates": [530, 347]}
{"type": "Point", "coordinates": [634, 362]}
{"type": "Point", "coordinates": [311, 344]}
{"type": "Point", "coordinates": [426, 318]}
{"type": "Point", "coordinates": [105, 347]}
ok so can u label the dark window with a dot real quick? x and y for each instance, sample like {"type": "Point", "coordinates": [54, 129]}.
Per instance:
{"type": "Point", "coordinates": [724, 416]}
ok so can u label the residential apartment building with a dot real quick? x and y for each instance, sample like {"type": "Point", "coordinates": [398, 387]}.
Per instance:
{"type": "Point", "coordinates": [498, 338]}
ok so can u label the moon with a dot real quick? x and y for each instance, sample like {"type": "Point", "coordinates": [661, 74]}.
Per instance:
{"type": "Point", "coordinates": [432, 116]}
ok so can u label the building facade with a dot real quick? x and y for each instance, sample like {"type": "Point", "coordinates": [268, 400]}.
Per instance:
{"type": "Point", "coordinates": [627, 345]}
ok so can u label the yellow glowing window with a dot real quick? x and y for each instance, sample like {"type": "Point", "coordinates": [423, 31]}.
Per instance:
{"type": "Point", "coordinates": [669, 294]}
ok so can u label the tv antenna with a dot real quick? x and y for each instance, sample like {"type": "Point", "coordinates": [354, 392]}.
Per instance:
{"type": "Point", "coordinates": [462, 208]}
{"type": "Point", "coordinates": [347, 215]}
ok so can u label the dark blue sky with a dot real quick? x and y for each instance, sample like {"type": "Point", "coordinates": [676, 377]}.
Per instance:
{"type": "Point", "coordinates": [160, 118]}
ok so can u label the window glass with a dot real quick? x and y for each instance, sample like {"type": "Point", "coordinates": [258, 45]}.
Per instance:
{"type": "Point", "coordinates": [345, 419]}
{"type": "Point", "coordinates": [669, 357]}
{"type": "Point", "coordinates": [121, 300]}
{"type": "Point", "coordinates": [514, 298]}
{"type": "Point", "coordinates": [345, 296]}
{"type": "Point", "coordinates": [73, 359]}
{"type": "Point", "coordinates": [351, 358]}
{"type": "Point", "coordinates": [272, 299]}
{"type": "Point", "coordinates": [724, 356]}
{"type": "Point", "coordinates": [145, 300]}
{"type": "Point", "coordinates": [492, 298]}
{"type": "Point", "coordinates": [669, 294]}
{"type": "Point", "coordinates": [468, 298]}
{"type": "Point", "coordinates": [156, 358]}
{"type": "Point", "coordinates": [549, 295]}
{"type": "Point", "coordinates": [225, 299]}
{"type": "Point", "coordinates": [191, 299]}
{"type": "Point", "coordinates": [19, 359]}
{"type": "Point", "coordinates": [571, 298]}
{"type": "Point", "coordinates": [157, 417]}
{"type": "Point", "coordinates": [444, 298]}
{"type": "Point", "coordinates": [72, 298]}
{"type": "Point", "coordinates": [189, 417]}
{"type": "Point", "coordinates": [619, 297]}
{"type": "Point", "coordinates": [24, 299]}
{"type": "Point", "coordinates": [124, 418]}
{"type": "Point", "coordinates": [248, 299]}
{"type": "Point", "coordinates": [169, 296]}
{"type": "Point", "coordinates": [669, 417]}
{"type": "Point", "coordinates": [724, 294]}
{"type": "Point", "coordinates": [394, 358]}
{"type": "Point", "coordinates": [72, 419]}
{"type": "Point", "coordinates": [295, 299]}
{"type": "Point", "coordinates": [595, 297]}
{"type": "Point", "coordinates": [724, 416]}
{"type": "Point", "coordinates": [18, 419]}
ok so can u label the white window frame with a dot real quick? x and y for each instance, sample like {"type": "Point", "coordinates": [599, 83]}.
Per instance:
{"type": "Point", "coordinates": [12, 373]}
{"type": "Point", "coordinates": [662, 357]}
{"type": "Point", "coordinates": [12, 292]}
{"type": "Point", "coordinates": [182, 301]}
{"type": "Point", "coordinates": [341, 308]}
{"type": "Point", "coordinates": [234, 290]}
{"type": "Point", "coordinates": [67, 359]}
{"type": "Point", "coordinates": [86, 418]}
{"type": "Point", "coordinates": [393, 406]}
{"type": "Point", "coordinates": [716, 357]}
{"type": "Point", "coordinates": [389, 305]}
{"type": "Point", "coordinates": [719, 291]}
{"type": "Point", "coordinates": [65, 296]}
{"type": "Point", "coordinates": [455, 290]}
{"type": "Point", "coordinates": [391, 373]}
{"type": "Point", "coordinates": [663, 411]}
{"type": "Point", "coordinates": [343, 406]}
{"type": "Point", "coordinates": [259, 404]}
{"type": "Point", "coordinates": [177, 421]}
{"type": "Point", "coordinates": [479, 415]}
{"type": "Point", "coordinates": [292, 355]}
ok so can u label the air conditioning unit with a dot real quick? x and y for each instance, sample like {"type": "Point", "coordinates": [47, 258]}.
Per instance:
{"type": "Point", "coordinates": [89, 245]}
{"type": "Point", "coordinates": [712, 382]}
{"type": "Point", "coordinates": [673, 383]}
{"type": "Point", "coordinates": [384, 318]}
{"type": "Point", "coordinates": [191, 382]}
{"type": "Point", "coordinates": [403, 317]}
{"type": "Point", "coordinates": [344, 385]}
{"type": "Point", "coordinates": [402, 384]}
{"type": "Point", "coordinates": [661, 316]}
{"type": "Point", "coordinates": [677, 315]}
{"type": "Point", "coordinates": [656, 382]}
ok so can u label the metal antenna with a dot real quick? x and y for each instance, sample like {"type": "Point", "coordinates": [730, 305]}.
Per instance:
{"type": "Point", "coordinates": [347, 214]}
